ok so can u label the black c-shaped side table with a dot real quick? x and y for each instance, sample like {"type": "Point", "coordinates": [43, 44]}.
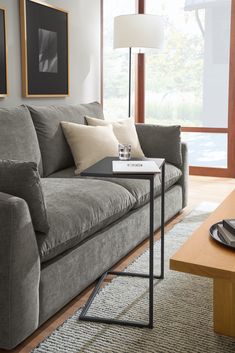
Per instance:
{"type": "Point", "coordinates": [103, 169]}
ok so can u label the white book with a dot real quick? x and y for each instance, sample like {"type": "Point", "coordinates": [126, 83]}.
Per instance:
{"type": "Point", "coordinates": [135, 167]}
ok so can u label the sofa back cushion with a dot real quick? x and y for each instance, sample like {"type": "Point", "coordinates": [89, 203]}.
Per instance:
{"type": "Point", "coordinates": [159, 141]}
{"type": "Point", "coordinates": [56, 154]}
{"type": "Point", "coordinates": [89, 144]}
{"type": "Point", "coordinates": [22, 179]}
{"type": "Point", "coordinates": [18, 138]}
{"type": "Point", "coordinates": [125, 132]}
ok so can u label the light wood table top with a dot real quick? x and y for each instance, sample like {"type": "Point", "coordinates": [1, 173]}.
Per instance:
{"type": "Point", "coordinates": [203, 256]}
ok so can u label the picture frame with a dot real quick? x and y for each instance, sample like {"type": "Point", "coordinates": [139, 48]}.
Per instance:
{"type": "Point", "coordinates": [45, 50]}
{"type": "Point", "coordinates": [3, 55]}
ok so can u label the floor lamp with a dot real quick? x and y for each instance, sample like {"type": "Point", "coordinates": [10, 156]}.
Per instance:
{"type": "Point", "coordinates": [137, 31]}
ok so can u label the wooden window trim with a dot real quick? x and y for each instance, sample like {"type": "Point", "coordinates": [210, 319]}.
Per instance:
{"type": "Point", "coordinates": [216, 130]}
{"type": "Point", "coordinates": [101, 52]}
{"type": "Point", "coordinates": [209, 171]}
{"type": "Point", "coordinates": [231, 102]}
{"type": "Point", "coordinates": [140, 76]}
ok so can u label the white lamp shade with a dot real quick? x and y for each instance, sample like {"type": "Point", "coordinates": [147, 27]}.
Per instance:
{"type": "Point", "coordinates": [138, 31]}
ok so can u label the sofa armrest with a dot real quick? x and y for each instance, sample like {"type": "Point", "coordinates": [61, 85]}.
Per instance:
{"type": "Point", "coordinates": [19, 272]}
{"type": "Point", "coordinates": [185, 173]}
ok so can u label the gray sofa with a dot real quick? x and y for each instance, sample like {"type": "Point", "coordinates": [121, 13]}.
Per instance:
{"type": "Point", "coordinates": [93, 223]}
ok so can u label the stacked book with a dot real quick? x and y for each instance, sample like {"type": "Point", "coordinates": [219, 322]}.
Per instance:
{"type": "Point", "coordinates": [135, 167]}
{"type": "Point", "coordinates": [226, 231]}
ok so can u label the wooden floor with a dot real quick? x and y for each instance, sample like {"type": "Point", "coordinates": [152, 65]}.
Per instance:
{"type": "Point", "coordinates": [200, 189]}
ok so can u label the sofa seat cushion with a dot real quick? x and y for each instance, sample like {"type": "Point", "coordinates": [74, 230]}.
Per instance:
{"type": "Point", "coordinates": [77, 208]}
{"type": "Point", "coordinates": [140, 189]}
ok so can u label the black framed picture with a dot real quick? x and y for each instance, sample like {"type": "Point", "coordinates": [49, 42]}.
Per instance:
{"type": "Point", "coordinates": [45, 52]}
{"type": "Point", "coordinates": [3, 54]}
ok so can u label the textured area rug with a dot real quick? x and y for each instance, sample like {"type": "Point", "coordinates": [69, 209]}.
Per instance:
{"type": "Point", "coordinates": [183, 309]}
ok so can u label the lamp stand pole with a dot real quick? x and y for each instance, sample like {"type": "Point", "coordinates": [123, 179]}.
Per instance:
{"type": "Point", "coordinates": [129, 101]}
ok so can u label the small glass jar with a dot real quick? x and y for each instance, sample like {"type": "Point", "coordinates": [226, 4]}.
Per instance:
{"type": "Point", "coordinates": [124, 151]}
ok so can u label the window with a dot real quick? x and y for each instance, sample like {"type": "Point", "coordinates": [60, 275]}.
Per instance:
{"type": "Point", "coordinates": [212, 151]}
{"type": "Point", "coordinates": [190, 82]}
{"type": "Point", "coordinates": [187, 83]}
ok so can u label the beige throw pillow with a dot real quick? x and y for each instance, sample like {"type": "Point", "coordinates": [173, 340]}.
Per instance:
{"type": "Point", "coordinates": [89, 144]}
{"type": "Point", "coordinates": [125, 132]}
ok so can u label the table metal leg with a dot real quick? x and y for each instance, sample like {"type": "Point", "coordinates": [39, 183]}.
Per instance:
{"type": "Point", "coordinates": [150, 275]}
{"type": "Point", "coordinates": [151, 251]}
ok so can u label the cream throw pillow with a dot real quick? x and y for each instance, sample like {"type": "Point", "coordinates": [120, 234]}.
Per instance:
{"type": "Point", "coordinates": [89, 144]}
{"type": "Point", "coordinates": [125, 132]}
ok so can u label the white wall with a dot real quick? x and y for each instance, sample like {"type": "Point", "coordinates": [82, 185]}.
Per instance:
{"type": "Point", "coordinates": [84, 37]}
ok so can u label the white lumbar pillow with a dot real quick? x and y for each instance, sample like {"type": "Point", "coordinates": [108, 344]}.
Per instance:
{"type": "Point", "coordinates": [89, 144]}
{"type": "Point", "coordinates": [125, 132]}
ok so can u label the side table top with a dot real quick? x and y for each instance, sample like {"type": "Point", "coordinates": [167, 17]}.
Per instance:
{"type": "Point", "coordinates": [103, 168]}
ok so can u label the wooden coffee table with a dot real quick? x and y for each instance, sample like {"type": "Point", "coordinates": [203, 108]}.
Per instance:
{"type": "Point", "coordinates": [203, 256]}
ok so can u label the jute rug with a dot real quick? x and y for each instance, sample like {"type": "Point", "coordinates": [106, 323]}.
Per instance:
{"type": "Point", "coordinates": [183, 310]}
